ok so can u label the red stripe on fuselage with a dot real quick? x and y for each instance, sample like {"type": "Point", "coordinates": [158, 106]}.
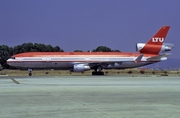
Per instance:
{"type": "Point", "coordinates": [79, 54]}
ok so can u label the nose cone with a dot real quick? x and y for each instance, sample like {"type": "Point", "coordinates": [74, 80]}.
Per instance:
{"type": "Point", "coordinates": [9, 62]}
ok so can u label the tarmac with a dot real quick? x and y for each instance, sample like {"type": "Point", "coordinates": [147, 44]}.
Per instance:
{"type": "Point", "coordinates": [89, 97]}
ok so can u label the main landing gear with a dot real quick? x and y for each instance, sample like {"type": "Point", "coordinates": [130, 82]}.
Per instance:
{"type": "Point", "coordinates": [30, 72]}
{"type": "Point", "coordinates": [97, 71]}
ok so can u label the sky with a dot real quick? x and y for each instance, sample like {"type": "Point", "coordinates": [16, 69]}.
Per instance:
{"type": "Point", "coordinates": [87, 24]}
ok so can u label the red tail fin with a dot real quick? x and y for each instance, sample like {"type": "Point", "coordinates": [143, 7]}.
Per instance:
{"type": "Point", "coordinates": [154, 45]}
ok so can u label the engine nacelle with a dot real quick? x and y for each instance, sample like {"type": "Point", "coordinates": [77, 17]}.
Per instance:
{"type": "Point", "coordinates": [139, 46]}
{"type": "Point", "coordinates": [150, 48]}
{"type": "Point", "coordinates": [167, 47]}
{"type": "Point", "coordinates": [81, 68]}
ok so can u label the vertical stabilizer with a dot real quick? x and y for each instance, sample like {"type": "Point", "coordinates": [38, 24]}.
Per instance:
{"type": "Point", "coordinates": [154, 45]}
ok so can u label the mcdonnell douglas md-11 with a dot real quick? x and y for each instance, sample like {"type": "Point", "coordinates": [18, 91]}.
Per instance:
{"type": "Point", "coordinates": [148, 53]}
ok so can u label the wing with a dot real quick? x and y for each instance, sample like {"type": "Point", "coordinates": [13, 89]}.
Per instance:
{"type": "Point", "coordinates": [112, 63]}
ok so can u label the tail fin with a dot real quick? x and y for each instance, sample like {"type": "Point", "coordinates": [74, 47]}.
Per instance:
{"type": "Point", "coordinates": [154, 45]}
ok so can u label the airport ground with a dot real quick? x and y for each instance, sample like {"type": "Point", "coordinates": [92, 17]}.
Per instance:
{"type": "Point", "coordinates": [110, 96]}
{"type": "Point", "coordinates": [129, 72]}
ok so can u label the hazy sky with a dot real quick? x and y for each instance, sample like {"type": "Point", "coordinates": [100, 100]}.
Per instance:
{"type": "Point", "coordinates": [86, 24]}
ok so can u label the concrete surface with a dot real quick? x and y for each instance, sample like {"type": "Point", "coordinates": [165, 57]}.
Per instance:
{"type": "Point", "coordinates": [90, 97]}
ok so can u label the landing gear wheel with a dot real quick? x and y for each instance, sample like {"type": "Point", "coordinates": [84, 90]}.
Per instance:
{"type": "Point", "coordinates": [97, 73]}
{"type": "Point", "coordinates": [30, 74]}
{"type": "Point", "coordinates": [94, 73]}
{"type": "Point", "coordinates": [101, 73]}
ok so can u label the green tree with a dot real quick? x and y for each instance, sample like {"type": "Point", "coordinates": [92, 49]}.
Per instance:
{"type": "Point", "coordinates": [36, 47]}
{"type": "Point", "coordinates": [78, 51]}
{"type": "Point", "coordinates": [102, 49]}
{"type": "Point", "coordinates": [115, 50]}
{"type": "Point", "coordinates": [5, 53]}
{"type": "Point", "coordinates": [1, 67]}
{"type": "Point", "coordinates": [56, 49]}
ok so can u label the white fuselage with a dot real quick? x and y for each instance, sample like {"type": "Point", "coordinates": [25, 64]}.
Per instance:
{"type": "Point", "coordinates": [65, 63]}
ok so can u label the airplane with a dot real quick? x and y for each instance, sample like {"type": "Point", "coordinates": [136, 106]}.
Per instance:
{"type": "Point", "coordinates": [148, 53]}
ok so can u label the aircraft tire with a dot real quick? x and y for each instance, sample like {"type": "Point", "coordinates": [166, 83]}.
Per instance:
{"type": "Point", "coordinates": [102, 73]}
{"type": "Point", "coordinates": [94, 73]}
{"type": "Point", "coordinates": [97, 73]}
{"type": "Point", "coordinates": [30, 74]}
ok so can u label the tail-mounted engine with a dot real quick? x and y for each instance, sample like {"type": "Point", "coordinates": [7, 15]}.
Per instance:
{"type": "Point", "coordinates": [167, 47]}
{"type": "Point", "coordinates": [154, 49]}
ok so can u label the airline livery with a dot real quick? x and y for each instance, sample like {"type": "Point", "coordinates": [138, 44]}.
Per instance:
{"type": "Point", "coordinates": [151, 52]}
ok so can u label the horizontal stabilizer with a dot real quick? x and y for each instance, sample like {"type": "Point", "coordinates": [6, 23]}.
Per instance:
{"type": "Point", "coordinates": [159, 57]}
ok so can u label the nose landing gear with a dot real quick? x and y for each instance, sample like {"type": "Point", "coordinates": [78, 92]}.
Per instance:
{"type": "Point", "coordinates": [30, 72]}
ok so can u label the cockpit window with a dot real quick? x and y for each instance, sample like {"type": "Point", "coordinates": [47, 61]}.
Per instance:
{"type": "Point", "coordinates": [12, 58]}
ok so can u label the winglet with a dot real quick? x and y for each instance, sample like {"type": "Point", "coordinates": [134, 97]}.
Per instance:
{"type": "Point", "coordinates": [138, 59]}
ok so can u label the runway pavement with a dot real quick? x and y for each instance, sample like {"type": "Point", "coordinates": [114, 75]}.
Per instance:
{"type": "Point", "coordinates": [89, 97]}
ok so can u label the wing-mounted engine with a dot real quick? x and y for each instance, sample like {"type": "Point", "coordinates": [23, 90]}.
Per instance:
{"type": "Point", "coordinates": [153, 49]}
{"type": "Point", "coordinates": [81, 67]}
